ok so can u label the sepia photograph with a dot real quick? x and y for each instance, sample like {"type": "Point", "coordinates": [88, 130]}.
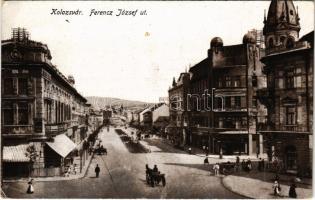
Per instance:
{"type": "Point", "coordinates": [157, 99]}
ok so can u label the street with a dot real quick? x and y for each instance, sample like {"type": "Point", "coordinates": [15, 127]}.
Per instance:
{"type": "Point", "coordinates": [122, 175]}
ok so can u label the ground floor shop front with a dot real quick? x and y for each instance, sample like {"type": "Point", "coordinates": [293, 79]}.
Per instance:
{"type": "Point", "coordinates": [291, 152]}
{"type": "Point", "coordinates": [227, 142]}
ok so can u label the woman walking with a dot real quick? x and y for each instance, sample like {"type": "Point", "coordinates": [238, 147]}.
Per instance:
{"type": "Point", "coordinates": [30, 188]}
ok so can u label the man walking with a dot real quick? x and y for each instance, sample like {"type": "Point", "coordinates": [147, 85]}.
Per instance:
{"type": "Point", "coordinates": [97, 170]}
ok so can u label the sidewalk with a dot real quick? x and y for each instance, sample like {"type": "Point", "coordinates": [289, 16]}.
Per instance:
{"type": "Point", "coordinates": [59, 178]}
{"type": "Point", "coordinates": [195, 151]}
{"type": "Point", "coordinates": [259, 185]}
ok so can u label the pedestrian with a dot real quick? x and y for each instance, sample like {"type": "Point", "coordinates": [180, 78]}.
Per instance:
{"type": "Point", "coordinates": [259, 164]}
{"type": "Point", "coordinates": [276, 189]}
{"type": "Point", "coordinates": [249, 165]}
{"type": "Point", "coordinates": [206, 161]}
{"type": "Point", "coordinates": [30, 188]}
{"type": "Point", "coordinates": [237, 164]}
{"type": "Point", "coordinates": [292, 191]}
{"type": "Point", "coordinates": [216, 168]}
{"type": "Point", "coordinates": [243, 165]}
{"type": "Point", "coordinates": [97, 170]}
{"type": "Point", "coordinates": [263, 164]}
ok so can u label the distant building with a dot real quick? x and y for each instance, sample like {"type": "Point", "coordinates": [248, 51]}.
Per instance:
{"type": "Point", "coordinates": [43, 115]}
{"type": "Point", "coordinates": [177, 130]}
{"type": "Point", "coordinates": [289, 93]}
{"type": "Point", "coordinates": [160, 117]}
{"type": "Point", "coordinates": [107, 114]}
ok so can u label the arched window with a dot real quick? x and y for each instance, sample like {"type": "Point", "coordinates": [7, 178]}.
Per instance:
{"type": "Point", "coordinates": [282, 40]}
{"type": "Point", "coordinates": [290, 42]}
{"type": "Point", "coordinates": [270, 42]}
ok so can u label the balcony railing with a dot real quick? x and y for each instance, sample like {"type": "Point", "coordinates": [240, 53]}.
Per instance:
{"type": "Point", "coordinates": [230, 110]}
{"type": "Point", "coordinates": [54, 129]}
{"type": "Point", "coordinates": [17, 129]}
{"type": "Point", "coordinates": [288, 128]}
{"type": "Point", "coordinates": [297, 45]}
{"type": "Point", "coordinates": [217, 129]}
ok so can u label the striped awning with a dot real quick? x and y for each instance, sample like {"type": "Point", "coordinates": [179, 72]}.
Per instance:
{"type": "Point", "coordinates": [15, 153]}
{"type": "Point", "coordinates": [62, 145]}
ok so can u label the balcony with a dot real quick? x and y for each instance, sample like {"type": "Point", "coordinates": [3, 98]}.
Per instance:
{"type": "Point", "coordinates": [284, 128]}
{"type": "Point", "coordinates": [55, 129]}
{"type": "Point", "coordinates": [17, 129]}
{"type": "Point", "coordinates": [230, 110]}
{"type": "Point", "coordinates": [280, 49]}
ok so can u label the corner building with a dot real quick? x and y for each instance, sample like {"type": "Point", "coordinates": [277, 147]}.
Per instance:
{"type": "Point", "coordinates": [223, 102]}
{"type": "Point", "coordinates": [289, 93]}
{"type": "Point", "coordinates": [43, 117]}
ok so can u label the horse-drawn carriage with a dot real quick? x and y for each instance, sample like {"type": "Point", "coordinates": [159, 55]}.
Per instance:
{"type": "Point", "coordinates": [100, 150]}
{"type": "Point", "coordinates": [154, 177]}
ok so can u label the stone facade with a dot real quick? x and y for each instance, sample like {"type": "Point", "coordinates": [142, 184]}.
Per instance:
{"type": "Point", "coordinates": [178, 128]}
{"type": "Point", "coordinates": [289, 94]}
{"type": "Point", "coordinates": [222, 106]}
{"type": "Point", "coordinates": [38, 102]}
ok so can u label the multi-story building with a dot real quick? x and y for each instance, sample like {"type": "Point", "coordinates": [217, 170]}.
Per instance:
{"type": "Point", "coordinates": [42, 114]}
{"type": "Point", "coordinates": [222, 98]}
{"type": "Point", "coordinates": [177, 129]}
{"type": "Point", "coordinates": [289, 93]}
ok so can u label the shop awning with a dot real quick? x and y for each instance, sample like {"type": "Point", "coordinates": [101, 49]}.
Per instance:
{"type": "Point", "coordinates": [233, 132]}
{"type": "Point", "coordinates": [15, 153]}
{"type": "Point", "coordinates": [62, 145]}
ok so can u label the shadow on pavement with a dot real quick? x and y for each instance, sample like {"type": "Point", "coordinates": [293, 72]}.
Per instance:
{"type": "Point", "coordinates": [133, 147]}
{"type": "Point", "coordinates": [203, 167]}
{"type": "Point", "coordinates": [165, 148]}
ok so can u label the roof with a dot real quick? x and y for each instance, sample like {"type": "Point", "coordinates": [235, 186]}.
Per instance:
{"type": "Point", "coordinates": [308, 37]}
{"type": "Point", "coordinates": [15, 153]}
{"type": "Point", "coordinates": [30, 44]}
{"type": "Point", "coordinates": [62, 145]}
{"type": "Point", "coordinates": [200, 70]}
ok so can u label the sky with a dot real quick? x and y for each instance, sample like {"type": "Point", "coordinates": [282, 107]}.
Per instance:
{"type": "Point", "coordinates": [136, 57]}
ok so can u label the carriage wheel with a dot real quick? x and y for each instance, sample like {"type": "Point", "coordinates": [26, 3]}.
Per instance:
{"type": "Point", "coordinates": [163, 181]}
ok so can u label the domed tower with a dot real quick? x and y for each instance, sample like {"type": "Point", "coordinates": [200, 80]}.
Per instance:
{"type": "Point", "coordinates": [216, 43]}
{"type": "Point", "coordinates": [249, 38]}
{"type": "Point", "coordinates": [282, 24]}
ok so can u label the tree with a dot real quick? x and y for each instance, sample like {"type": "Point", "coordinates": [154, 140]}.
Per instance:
{"type": "Point", "coordinates": [32, 154]}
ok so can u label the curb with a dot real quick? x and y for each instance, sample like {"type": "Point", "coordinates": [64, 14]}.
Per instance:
{"type": "Point", "coordinates": [58, 178]}
{"type": "Point", "coordinates": [228, 188]}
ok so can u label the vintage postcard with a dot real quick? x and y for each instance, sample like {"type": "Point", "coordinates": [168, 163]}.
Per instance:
{"type": "Point", "coordinates": [157, 99]}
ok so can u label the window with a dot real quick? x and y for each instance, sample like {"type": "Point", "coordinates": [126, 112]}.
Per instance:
{"type": "Point", "coordinates": [219, 82]}
{"type": "Point", "coordinates": [8, 87]}
{"type": "Point", "coordinates": [291, 115]}
{"type": "Point", "coordinates": [228, 102]}
{"type": "Point", "coordinates": [290, 42]}
{"type": "Point", "coordinates": [237, 102]}
{"type": "Point", "coordinates": [22, 87]}
{"type": "Point", "coordinates": [270, 42]}
{"type": "Point", "coordinates": [237, 81]}
{"type": "Point", "coordinates": [23, 113]}
{"type": "Point", "coordinates": [254, 81]}
{"type": "Point", "coordinates": [228, 81]}
{"type": "Point", "coordinates": [289, 80]}
{"type": "Point", "coordinates": [244, 121]}
{"type": "Point", "coordinates": [254, 101]}
{"type": "Point", "coordinates": [8, 113]}
{"type": "Point", "coordinates": [221, 122]}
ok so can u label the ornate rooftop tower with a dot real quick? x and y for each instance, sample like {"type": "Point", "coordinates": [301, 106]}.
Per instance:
{"type": "Point", "coordinates": [282, 24]}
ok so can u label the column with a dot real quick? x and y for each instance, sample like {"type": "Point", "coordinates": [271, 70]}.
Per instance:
{"type": "Point", "coordinates": [261, 145]}
{"type": "Point", "coordinates": [250, 144]}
